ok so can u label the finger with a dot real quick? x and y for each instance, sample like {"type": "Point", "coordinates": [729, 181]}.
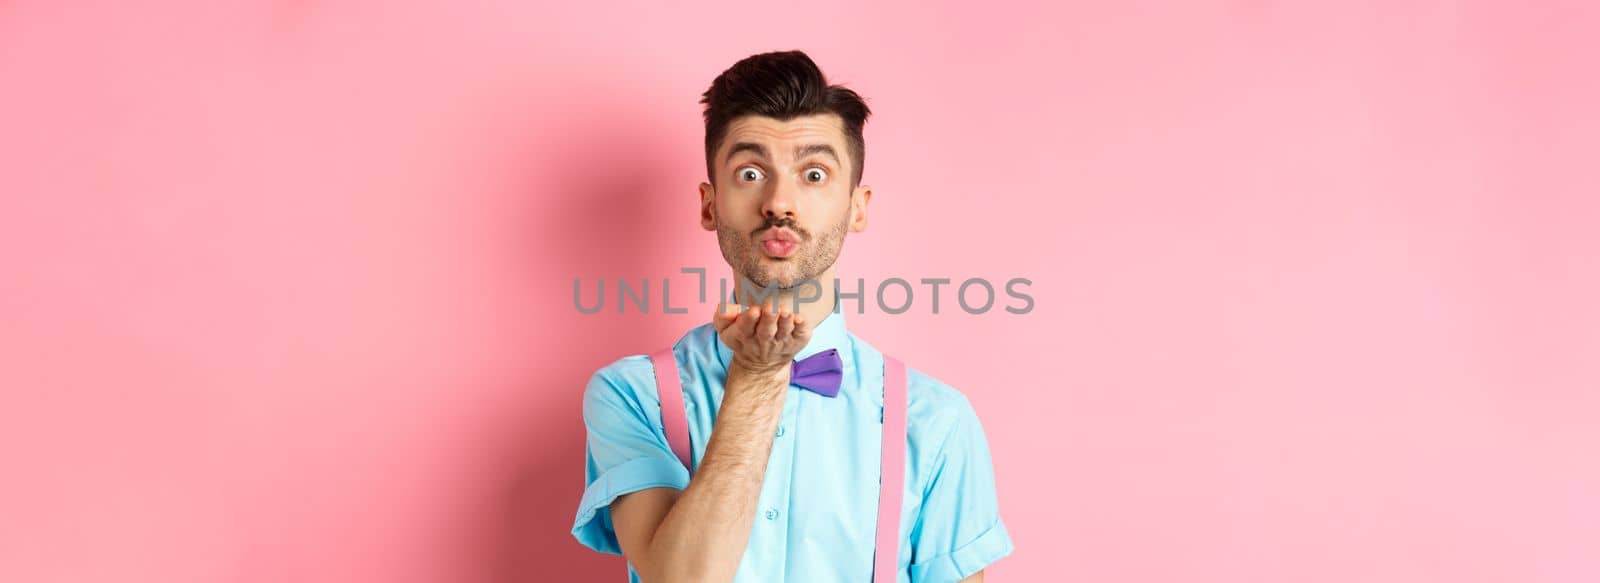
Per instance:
{"type": "Point", "coordinates": [769, 325]}
{"type": "Point", "coordinates": [723, 317]}
{"type": "Point", "coordinates": [747, 321]}
{"type": "Point", "coordinates": [802, 328]}
{"type": "Point", "coordinates": [785, 324]}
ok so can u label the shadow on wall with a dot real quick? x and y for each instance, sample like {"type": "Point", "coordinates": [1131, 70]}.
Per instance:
{"type": "Point", "coordinates": [602, 208]}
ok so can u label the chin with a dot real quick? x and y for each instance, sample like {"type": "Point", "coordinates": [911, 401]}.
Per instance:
{"type": "Point", "coordinates": [779, 278]}
{"type": "Point", "coordinates": [780, 281]}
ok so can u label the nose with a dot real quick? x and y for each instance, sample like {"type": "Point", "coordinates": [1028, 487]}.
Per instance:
{"type": "Point", "coordinates": [780, 201]}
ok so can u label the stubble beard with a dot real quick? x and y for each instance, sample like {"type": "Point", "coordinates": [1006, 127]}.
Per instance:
{"type": "Point", "coordinates": [814, 256]}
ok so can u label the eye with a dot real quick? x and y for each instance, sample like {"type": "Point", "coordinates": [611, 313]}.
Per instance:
{"type": "Point", "coordinates": [749, 174]}
{"type": "Point", "coordinates": [816, 175]}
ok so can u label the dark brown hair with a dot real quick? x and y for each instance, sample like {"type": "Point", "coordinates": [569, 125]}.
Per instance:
{"type": "Point", "coordinates": [781, 85]}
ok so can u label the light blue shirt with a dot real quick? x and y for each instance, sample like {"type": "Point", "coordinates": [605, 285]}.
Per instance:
{"type": "Point", "coordinates": [817, 513]}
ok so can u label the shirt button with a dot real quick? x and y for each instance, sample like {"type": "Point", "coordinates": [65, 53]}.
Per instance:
{"type": "Point", "coordinates": [780, 431]}
{"type": "Point", "coordinates": [772, 514]}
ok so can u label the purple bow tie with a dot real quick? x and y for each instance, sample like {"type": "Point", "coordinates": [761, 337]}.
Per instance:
{"type": "Point", "coordinates": [820, 373]}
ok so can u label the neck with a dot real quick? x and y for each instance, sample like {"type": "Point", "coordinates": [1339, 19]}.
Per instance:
{"type": "Point", "coordinates": [813, 310]}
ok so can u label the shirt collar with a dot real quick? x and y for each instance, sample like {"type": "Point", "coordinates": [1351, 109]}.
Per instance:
{"type": "Point", "coordinates": [831, 332]}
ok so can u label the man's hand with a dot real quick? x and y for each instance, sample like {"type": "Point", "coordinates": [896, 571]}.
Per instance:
{"type": "Point", "coordinates": [764, 341]}
{"type": "Point", "coordinates": [701, 533]}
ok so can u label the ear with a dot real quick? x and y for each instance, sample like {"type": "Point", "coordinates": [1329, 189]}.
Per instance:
{"type": "Point", "coordinates": [708, 206]}
{"type": "Point", "coordinates": [858, 208]}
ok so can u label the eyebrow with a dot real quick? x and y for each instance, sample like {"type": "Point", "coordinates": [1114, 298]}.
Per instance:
{"type": "Point", "coordinates": [799, 151]}
{"type": "Point", "coordinates": [809, 149]}
{"type": "Point", "coordinates": [759, 150]}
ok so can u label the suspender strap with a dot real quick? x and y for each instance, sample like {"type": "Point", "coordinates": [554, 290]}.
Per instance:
{"type": "Point", "coordinates": [892, 470]}
{"type": "Point", "coordinates": [892, 478]}
{"type": "Point", "coordinates": [674, 419]}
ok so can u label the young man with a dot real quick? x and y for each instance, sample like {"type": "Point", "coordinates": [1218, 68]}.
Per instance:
{"type": "Point", "coordinates": [786, 476]}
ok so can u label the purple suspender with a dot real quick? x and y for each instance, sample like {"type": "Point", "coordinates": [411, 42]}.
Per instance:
{"type": "Point", "coordinates": [892, 472]}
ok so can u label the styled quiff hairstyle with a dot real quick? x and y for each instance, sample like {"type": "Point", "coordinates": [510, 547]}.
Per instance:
{"type": "Point", "coordinates": [781, 85]}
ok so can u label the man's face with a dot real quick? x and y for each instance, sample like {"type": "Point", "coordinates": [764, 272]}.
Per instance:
{"type": "Point", "coordinates": [782, 201]}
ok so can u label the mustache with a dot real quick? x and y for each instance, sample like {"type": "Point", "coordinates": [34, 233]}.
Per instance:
{"type": "Point", "coordinates": [785, 222]}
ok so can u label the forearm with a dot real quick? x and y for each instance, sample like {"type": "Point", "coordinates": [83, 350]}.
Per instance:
{"type": "Point", "coordinates": [703, 536]}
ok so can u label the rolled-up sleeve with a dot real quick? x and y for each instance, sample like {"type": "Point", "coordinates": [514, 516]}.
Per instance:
{"type": "Point", "coordinates": [960, 527]}
{"type": "Point", "coordinates": [626, 451]}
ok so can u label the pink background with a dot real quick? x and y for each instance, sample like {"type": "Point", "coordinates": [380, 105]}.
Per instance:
{"type": "Point", "coordinates": [287, 285]}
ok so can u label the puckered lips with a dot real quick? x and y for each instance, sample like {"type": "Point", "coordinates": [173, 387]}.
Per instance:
{"type": "Point", "coordinates": [779, 243]}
